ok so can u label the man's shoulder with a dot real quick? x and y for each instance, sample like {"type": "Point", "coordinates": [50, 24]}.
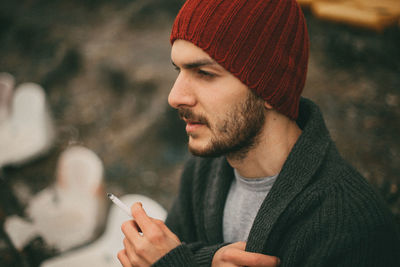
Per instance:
{"type": "Point", "coordinates": [340, 190]}
{"type": "Point", "coordinates": [337, 173]}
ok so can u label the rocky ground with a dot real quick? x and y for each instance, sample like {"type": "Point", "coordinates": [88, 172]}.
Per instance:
{"type": "Point", "coordinates": [107, 73]}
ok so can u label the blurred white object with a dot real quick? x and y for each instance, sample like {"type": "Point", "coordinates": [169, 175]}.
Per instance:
{"type": "Point", "coordinates": [103, 252]}
{"type": "Point", "coordinates": [69, 213]}
{"type": "Point", "coordinates": [26, 128]}
{"type": "Point", "coordinates": [7, 83]}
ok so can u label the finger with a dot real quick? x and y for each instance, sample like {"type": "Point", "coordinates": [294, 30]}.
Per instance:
{"type": "Point", "coordinates": [244, 258]}
{"type": "Point", "coordinates": [158, 222]}
{"type": "Point", "coordinates": [165, 229]}
{"type": "Point", "coordinates": [145, 223]}
{"type": "Point", "coordinates": [239, 245]}
{"type": "Point", "coordinates": [131, 231]}
{"type": "Point", "coordinates": [133, 257]}
{"type": "Point", "coordinates": [130, 251]}
{"type": "Point", "coordinates": [123, 258]}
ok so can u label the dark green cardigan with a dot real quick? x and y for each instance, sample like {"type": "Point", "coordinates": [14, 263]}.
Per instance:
{"type": "Point", "coordinates": [319, 212]}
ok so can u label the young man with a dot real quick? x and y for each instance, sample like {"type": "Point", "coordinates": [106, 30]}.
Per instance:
{"type": "Point", "coordinates": [267, 185]}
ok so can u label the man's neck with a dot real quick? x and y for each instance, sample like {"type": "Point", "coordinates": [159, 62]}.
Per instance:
{"type": "Point", "coordinates": [275, 142]}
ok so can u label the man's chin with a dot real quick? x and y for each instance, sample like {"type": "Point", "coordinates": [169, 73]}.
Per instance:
{"type": "Point", "coordinates": [196, 150]}
{"type": "Point", "coordinates": [204, 152]}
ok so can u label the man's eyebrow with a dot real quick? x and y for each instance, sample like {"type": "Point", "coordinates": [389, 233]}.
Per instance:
{"type": "Point", "coordinates": [196, 64]}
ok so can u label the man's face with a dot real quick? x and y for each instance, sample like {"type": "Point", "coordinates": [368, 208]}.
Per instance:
{"type": "Point", "coordinates": [223, 117]}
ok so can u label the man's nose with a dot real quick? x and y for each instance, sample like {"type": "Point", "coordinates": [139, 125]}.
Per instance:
{"type": "Point", "coordinates": [181, 93]}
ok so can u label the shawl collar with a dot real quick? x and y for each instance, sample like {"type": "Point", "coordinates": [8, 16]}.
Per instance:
{"type": "Point", "coordinates": [219, 182]}
{"type": "Point", "coordinates": [302, 162]}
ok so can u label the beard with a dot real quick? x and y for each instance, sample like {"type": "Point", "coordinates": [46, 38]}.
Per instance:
{"type": "Point", "coordinates": [236, 134]}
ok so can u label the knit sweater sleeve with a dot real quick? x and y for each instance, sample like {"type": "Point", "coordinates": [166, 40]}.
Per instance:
{"type": "Point", "coordinates": [194, 255]}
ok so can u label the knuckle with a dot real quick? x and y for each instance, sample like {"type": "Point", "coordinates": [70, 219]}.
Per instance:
{"type": "Point", "coordinates": [260, 260]}
{"type": "Point", "coordinates": [121, 254]}
{"type": "Point", "coordinates": [155, 237]}
{"type": "Point", "coordinates": [140, 249]}
{"type": "Point", "coordinates": [133, 260]}
{"type": "Point", "coordinates": [124, 226]}
{"type": "Point", "coordinates": [136, 207]}
{"type": "Point", "coordinates": [158, 222]}
{"type": "Point", "coordinates": [226, 255]}
{"type": "Point", "coordinates": [257, 260]}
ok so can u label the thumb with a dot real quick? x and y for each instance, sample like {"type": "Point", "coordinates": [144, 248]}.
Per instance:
{"type": "Point", "coordinates": [238, 245]}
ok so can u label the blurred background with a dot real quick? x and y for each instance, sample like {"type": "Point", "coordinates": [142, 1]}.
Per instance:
{"type": "Point", "coordinates": [105, 70]}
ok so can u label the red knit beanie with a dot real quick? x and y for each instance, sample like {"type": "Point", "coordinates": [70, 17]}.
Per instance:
{"type": "Point", "coordinates": [264, 43]}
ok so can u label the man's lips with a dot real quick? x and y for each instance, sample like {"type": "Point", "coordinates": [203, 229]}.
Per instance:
{"type": "Point", "coordinates": [193, 122]}
{"type": "Point", "coordinates": [188, 121]}
{"type": "Point", "coordinates": [192, 126]}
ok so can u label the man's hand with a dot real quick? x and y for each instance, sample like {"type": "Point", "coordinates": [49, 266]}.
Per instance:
{"type": "Point", "coordinates": [234, 255]}
{"type": "Point", "coordinates": [146, 239]}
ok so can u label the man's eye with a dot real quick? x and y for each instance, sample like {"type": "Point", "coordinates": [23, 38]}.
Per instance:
{"type": "Point", "coordinates": [205, 73]}
{"type": "Point", "coordinates": [177, 68]}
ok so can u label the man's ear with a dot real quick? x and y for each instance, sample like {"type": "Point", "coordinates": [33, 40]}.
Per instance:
{"type": "Point", "coordinates": [267, 105]}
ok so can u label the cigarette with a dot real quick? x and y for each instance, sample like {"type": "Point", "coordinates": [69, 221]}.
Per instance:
{"type": "Point", "coordinates": [120, 204]}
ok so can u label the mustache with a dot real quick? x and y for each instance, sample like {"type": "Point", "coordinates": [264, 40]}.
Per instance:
{"type": "Point", "coordinates": [185, 113]}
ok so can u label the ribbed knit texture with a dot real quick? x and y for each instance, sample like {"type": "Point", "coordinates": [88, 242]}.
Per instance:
{"type": "Point", "coordinates": [182, 253]}
{"type": "Point", "coordinates": [264, 43]}
{"type": "Point", "coordinates": [319, 212]}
